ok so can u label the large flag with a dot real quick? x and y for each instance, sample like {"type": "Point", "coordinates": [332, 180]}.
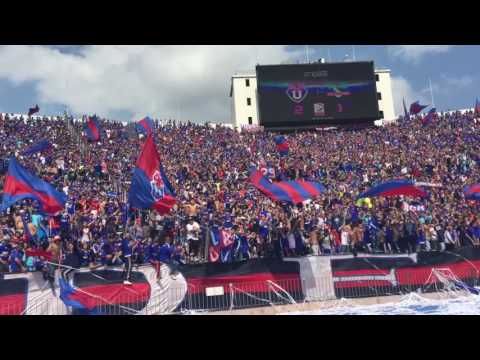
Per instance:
{"type": "Point", "coordinates": [221, 245]}
{"type": "Point", "coordinates": [282, 145]}
{"type": "Point", "coordinates": [92, 128]}
{"type": "Point", "coordinates": [20, 185]}
{"type": "Point", "coordinates": [429, 117]}
{"type": "Point", "coordinates": [150, 188]}
{"type": "Point", "coordinates": [472, 192]}
{"type": "Point", "coordinates": [406, 114]}
{"type": "Point", "coordinates": [145, 126]}
{"type": "Point", "coordinates": [38, 147]}
{"type": "Point", "coordinates": [290, 191]}
{"type": "Point", "coordinates": [416, 108]}
{"type": "Point", "coordinates": [33, 110]}
{"type": "Point", "coordinates": [477, 107]}
{"type": "Point", "coordinates": [395, 188]}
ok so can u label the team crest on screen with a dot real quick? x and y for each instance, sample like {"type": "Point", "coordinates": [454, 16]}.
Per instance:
{"type": "Point", "coordinates": [297, 92]}
{"type": "Point", "coordinates": [157, 186]}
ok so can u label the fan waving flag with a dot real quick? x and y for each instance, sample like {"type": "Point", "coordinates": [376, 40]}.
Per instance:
{"type": "Point", "coordinates": [394, 188]}
{"type": "Point", "coordinates": [416, 108]}
{"type": "Point", "coordinates": [20, 185]}
{"type": "Point", "coordinates": [39, 147]}
{"type": "Point", "coordinates": [290, 191]}
{"type": "Point", "coordinates": [477, 107]}
{"type": "Point", "coordinates": [92, 128]}
{"type": "Point", "coordinates": [145, 126]}
{"type": "Point", "coordinates": [472, 192]}
{"type": "Point", "coordinates": [282, 145]}
{"type": "Point", "coordinates": [150, 187]}
{"type": "Point", "coordinates": [33, 110]}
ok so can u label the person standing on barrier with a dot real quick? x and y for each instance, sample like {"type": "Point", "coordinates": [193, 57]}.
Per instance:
{"type": "Point", "coordinates": [127, 247]}
{"type": "Point", "coordinates": [54, 250]}
{"type": "Point", "coordinates": [71, 260]}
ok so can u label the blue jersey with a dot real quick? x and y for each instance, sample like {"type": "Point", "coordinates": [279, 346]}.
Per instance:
{"type": "Point", "coordinates": [106, 249]}
{"type": "Point", "coordinates": [164, 253]}
{"type": "Point", "coordinates": [86, 257]}
{"type": "Point", "coordinates": [64, 222]}
{"type": "Point", "coordinates": [14, 256]}
{"type": "Point", "coordinates": [126, 248]}
{"type": "Point", "coordinates": [152, 252]}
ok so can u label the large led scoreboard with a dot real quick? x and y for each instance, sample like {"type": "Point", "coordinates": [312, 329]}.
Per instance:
{"type": "Point", "coordinates": [317, 94]}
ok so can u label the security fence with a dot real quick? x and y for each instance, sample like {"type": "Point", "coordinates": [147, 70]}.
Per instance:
{"type": "Point", "coordinates": [241, 295]}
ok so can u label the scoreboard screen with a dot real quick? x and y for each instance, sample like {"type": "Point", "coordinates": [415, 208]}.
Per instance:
{"type": "Point", "coordinates": [317, 94]}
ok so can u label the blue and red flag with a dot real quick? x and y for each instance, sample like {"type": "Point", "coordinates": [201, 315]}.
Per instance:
{"type": "Point", "coordinates": [145, 126]}
{"type": "Point", "coordinates": [33, 110]}
{"type": "Point", "coordinates": [290, 191]}
{"type": "Point", "coordinates": [38, 147]}
{"type": "Point", "coordinates": [221, 245]}
{"type": "Point", "coordinates": [20, 185]}
{"type": "Point", "coordinates": [429, 117]}
{"type": "Point", "coordinates": [472, 192]}
{"type": "Point", "coordinates": [150, 187]}
{"type": "Point", "coordinates": [103, 293]}
{"type": "Point", "coordinates": [477, 107]}
{"type": "Point", "coordinates": [282, 145]}
{"type": "Point", "coordinates": [395, 188]}
{"type": "Point", "coordinates": [92, 128]}
{"type": "Point", "coordinates": [416, 108]}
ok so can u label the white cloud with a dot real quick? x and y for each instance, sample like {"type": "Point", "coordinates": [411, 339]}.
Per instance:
{"type": "Point", "coordinates": [402, 89]}
{"type": "Point", "coordinates": [414, 53]}
{"type": "Point", "coordinates": [460, 82]}
{"type": "Point", "coordinates": [187, 82]}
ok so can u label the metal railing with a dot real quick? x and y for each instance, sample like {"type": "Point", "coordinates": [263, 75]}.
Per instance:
{"type": "Point", "coordinates": [212, 297]}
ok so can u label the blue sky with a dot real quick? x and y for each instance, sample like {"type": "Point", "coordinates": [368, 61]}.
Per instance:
{"type": "Point", "coordinates": [192, 82]}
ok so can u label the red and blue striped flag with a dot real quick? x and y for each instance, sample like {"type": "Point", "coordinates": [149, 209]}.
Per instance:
{"type": "Point", "coordinates": [472, 192]}
{"type": "Point", "coordinates": [150, 188]}
{"type": "Point", "coordinates": [20, 185]}
{"type": "Point", "coordinates": [145, 126]}
{"type": "Point", "coordinates": [394, 188]}
{"type": "Point", "coordinates": [93, 129]}
{"type": "Point", "coordinates": [33, 110]}
{"type": "Point", "coordinates": [290, 191]}
{"type": "Point", "coordinates": [429, 117]}
{"type": "Point", "coordinates": [416, 108]}
{"type": "Point", "coordinates": [282, 145]}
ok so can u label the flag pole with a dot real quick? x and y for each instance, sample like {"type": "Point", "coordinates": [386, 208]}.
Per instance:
{"type": "Point", "coordinates": [329, 55]}
{"type": "Point", "coordinates": [353, 53]}
{"type": "Point", "coordinates": [431, 92]}
{"type": "Point", "coordinates": [307, 57]}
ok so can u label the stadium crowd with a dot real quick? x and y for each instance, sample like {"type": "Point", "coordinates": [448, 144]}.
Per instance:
{"type": "Point", "coordinates": [208, 167]}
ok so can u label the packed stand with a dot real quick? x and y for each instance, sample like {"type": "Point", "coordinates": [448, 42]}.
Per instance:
{"type": "Point", "coordinates": [208, 167]}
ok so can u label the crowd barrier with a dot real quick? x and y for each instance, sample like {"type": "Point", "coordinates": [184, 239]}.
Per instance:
{"type": "Point", "coordinates": [250, 284]}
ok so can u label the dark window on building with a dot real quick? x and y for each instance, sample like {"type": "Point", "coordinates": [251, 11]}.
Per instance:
{"type": "Point", "coordinates": [377, 78]}
{"type": "Point", "coordinates": [381, 114]}
{"type": "Point", "coordinates": [249, 101]}
{"type": "Point", "coordinates": [379, 96]}
{"type": "Point", "coordinates": [250, 121]}
{"type": "Point", "coordinates": [247, 82]}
